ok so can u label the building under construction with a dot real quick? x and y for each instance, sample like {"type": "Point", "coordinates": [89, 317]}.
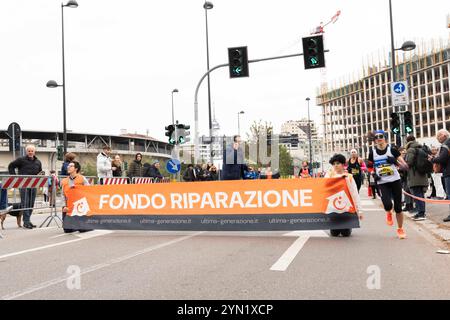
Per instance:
{"type": "Point", "coordinates": [352, 109]}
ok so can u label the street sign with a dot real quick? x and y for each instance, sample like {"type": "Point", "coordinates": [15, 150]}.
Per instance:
{"type": "Point", "coordinates": [399, 93]}
{"type": "Point", "coordinates": [173, 166]}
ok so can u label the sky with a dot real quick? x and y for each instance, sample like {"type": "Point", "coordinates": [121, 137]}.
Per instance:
{"type": "Point", "coordinates": [124, 58]}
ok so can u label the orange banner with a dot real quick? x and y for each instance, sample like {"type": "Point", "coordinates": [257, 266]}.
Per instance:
{"type": "Point", "coordinates": [326, 195]}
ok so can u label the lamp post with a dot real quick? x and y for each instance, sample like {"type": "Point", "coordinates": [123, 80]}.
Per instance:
{"type": "Point", "coordinates": [406, 46]}
{"type": "Point", "coordinates": [309, 136]}
{"type": "Point", "coordinates": [208, 6]}
{"type": "Point", "coordinates": [54, 84]}
{"type": "Point", "coordinates": [239, 126]}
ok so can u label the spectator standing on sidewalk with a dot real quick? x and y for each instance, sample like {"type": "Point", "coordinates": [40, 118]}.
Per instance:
{"type": "Point", "coordinates": [68, 158]}
{"type": "Point", "coordinates": [136, 168]}
{"type": "Point", "coordinates": [385, 158]}
{"type": "Point", "coordinates": [417, 181]}
{"type": "Point", "coordinates": [443, 159]}
{"type": "Point", "coordinates": [305, 170]}
{"type": "Point", "coordinates": [233, 161]}
{"type": "Point", "coordinates": [153, 170]}
{"type": "Point", "coordinates": [28, 165]}
{"type": "Point", "coordinates": [189, 174]}
{"type": "Point", "coordinates": [408, 201]}
{"type": "Point", "coordinates": [116, 166]}
{"type": "Point", "coordinates": [104, 163]}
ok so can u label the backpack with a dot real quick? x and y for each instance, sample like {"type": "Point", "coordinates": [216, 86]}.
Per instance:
{"type": "Point", "coordinates": [421, 164]}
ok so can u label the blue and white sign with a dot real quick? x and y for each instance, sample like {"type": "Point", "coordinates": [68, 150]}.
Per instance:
{"type": "Point", "coordinates": [173, 166]}
{"type": "Point", "coordinates": [400, 96]}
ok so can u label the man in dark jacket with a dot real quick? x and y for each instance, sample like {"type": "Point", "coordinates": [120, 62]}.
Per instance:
{"type": "Point", "coordinates": [233, 161]}
{"type": "Point", "coordinates": [136, 169]}
{"type": "Point", "coordinates": [153, 170]}
{"type": "Point", "coordinates": [190, 175]}
{"type": "Point", "coordinates": [443, 136]}
{"type": "Point", "coordinates": [417, 182]}
{"type": "Point", "coordinates": [28, 165]}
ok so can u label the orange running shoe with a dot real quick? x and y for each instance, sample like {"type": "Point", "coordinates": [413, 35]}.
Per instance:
{"type": "Point", "coordinates": [401, 234]}
{"type": "Point", "coordinates": [389, 218]}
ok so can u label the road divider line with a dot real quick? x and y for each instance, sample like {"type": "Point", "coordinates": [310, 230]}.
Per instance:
{"type": "Point", "coordinates": [62, 279]}
{"type": "Point", "coordinates": [81, 237]}
{"type": "Point", "coordinates": [289, 255]}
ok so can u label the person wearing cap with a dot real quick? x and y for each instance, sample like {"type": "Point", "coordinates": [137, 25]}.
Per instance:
{"type": "Point", "coordinates": [356, 167]}
{"type": "Point", "coordinates": [104, 167]}
{"type": "Point", "coordinates": [385, 158]}
{"type": "Point", "coordinates": [153, 170]}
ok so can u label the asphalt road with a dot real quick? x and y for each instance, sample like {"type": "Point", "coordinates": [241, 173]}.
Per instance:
{"type": "Point", "coordinates": [371, 264]}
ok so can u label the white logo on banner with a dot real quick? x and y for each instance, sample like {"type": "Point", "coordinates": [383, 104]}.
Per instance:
{"type": "Point", "coordinates": [338, 203]}
{"type": "Point", "coordinates": [80, 208]}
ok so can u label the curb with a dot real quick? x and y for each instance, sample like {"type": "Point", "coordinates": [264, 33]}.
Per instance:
{"type": "Point", "coordinates": [432, 227]}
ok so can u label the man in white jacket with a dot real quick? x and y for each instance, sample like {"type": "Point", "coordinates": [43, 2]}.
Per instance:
{"type": "Point", "coordinates": [104, 163]}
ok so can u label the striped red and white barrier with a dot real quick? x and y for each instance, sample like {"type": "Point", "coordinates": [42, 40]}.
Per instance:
{"type": "Point", "coordinates": [24, 182]}
{"type": "Point", "coordinates": [115, 180]}
{"type": "Point", "coordinates": [140, 180]}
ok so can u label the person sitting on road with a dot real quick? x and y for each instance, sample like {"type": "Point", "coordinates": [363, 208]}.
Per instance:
{"type": "Point", "coordinates": [74, 179]}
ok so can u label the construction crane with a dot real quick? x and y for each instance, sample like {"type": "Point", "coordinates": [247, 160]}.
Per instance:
{"type": "Point", "coordinates": [321, 30]}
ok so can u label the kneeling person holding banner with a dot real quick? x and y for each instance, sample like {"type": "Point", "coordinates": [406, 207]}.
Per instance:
{"type": "Point", "coordinates": [74, 179]}
{"type": "Point", "coordinates": [338, 170]}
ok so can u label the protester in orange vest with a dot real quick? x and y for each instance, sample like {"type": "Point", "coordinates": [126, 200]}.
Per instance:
{"type": "Point", "coordinates": [74, 179]}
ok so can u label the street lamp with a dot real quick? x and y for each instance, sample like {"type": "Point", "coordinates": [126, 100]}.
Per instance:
{"type": "Point", "coordinates": [406, 46]}
{"type": "Point", "coordinates": [239, 126]}
{"type": "Point", "coordinates": [54, 84]}
{"type": "Point", "coordinates": [309, 135]}
{"type": "Point", "coordinates": [208, 6]}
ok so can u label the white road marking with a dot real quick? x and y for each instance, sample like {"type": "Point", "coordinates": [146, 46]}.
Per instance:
{"type": "Point", "coordinates": [81, 237]}
{"type": "Point", "coordinates": [289, 255]}
{"type": "Point", "coordinates": [372, 209]}
{"type": "Point", "coordinates": [52, 282]}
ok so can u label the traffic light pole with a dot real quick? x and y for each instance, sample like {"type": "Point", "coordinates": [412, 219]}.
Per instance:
{"type": "Point", "coordinates": [196, 133]}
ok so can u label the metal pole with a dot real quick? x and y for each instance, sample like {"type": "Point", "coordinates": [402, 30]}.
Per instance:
{"type": "Point", "coordinates": [309, 136]}
{"type": "Point", "coordinates": [64, 83]}
{"type": "Point", "coordinates": [239, 126]}
{"type": "Point", "coordinates": [394, 78]}
{"type": "Point", "coordinates": [209, 84]}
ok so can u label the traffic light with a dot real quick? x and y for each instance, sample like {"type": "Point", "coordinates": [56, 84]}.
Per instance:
{"type": "Point", "coordinates": [238, 62]}
{"type": "Point", "coordinates": [170, 129]}
{"type": "Point", "coordinates": [183, 133]}
{"type": "Point", "coordinates": [395, 123]}
{"type": "Point", "coordinates": [408, 122]}
{"type": "Point", "coordinates": [60, 153]}
{"type": "Point", "coordinates": [313, 52]}
{"type": "Point", "coordinates": [14, 134]}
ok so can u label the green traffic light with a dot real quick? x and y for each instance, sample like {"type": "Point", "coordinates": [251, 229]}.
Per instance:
{"type": "Point", "coordinates": [181, 140]}
{"type": "Point", "coordinates": [314, 61]}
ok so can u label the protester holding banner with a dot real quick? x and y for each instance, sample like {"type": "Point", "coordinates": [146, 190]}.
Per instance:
{"type": "Point", "coordinates": [385, 158]}
{"type": "Point", "coordinates": [104, 169]}
{"type": "Point", "coordinates": [443, 159]}
{"type": "Point", "coordinates": [74, 179]}
{"type": "Point", "coordinates": [28, 165]}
